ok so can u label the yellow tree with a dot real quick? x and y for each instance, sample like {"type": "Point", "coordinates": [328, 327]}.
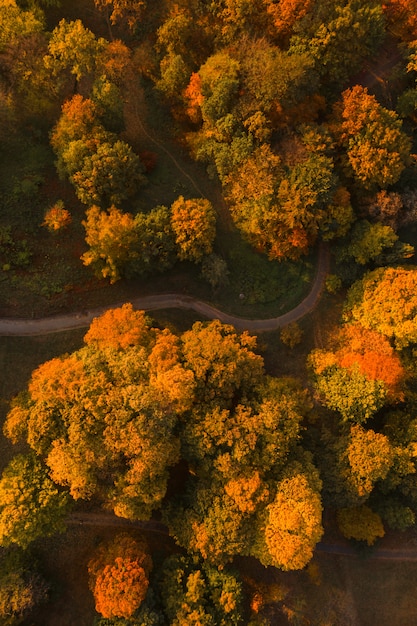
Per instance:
{"type": "Point", "coordinates": [112, 238]}
{"type": "Point", "coordinates": [293, 524]}
{"type": "Point", "coordinates": [194, 225]}
{"type": "Point", "coordinates": [370, 457]}
{"type": "Point", "coordinates": [30, 504]}
{"type": "Point", "coordinates": [385, 300]}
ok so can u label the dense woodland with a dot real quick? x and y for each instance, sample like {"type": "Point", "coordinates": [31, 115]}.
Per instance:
{"type": "Point", "coordinates": [303, 113]}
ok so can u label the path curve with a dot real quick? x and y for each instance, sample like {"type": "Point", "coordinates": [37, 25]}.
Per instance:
{"type": "Point", "coordinates": [59, 323]}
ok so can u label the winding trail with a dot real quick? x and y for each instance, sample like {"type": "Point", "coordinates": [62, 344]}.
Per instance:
{"type": "Point", "coordinates": [59, 323]}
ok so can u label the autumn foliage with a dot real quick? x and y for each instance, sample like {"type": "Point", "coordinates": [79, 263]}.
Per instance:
{"type": "Point", "coordinates": [119, 576]}
{"type": "Point", "coordinates": [117, 328]}
{"type": "Point", "coordinates": [372, 353]}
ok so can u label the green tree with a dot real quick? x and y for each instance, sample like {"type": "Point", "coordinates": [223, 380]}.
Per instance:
{"type": "Point", "coordinates": [338, 36]}
{"type": "Point", "coordinates": [360, 523]}
{"type": "Point", "coordinates": [30, 504]}
{"type": "Point", "coordinates": [22, 589]}
{"type": "Point", "coordinates": [194, 225]}
{"type": "Point", "coordinates": [372, 242]}
{"type": "Point", "coordinates": [273, 79]}
{"type": "Point", "coordinates": [175, 74]}
{"type": "Point", "coordinates": [198, 593]}
{"type": "Point", "coordinates": [219, 85]}
{"type": "Point", "coordinates": [110, 175]}
{"type": "Point", "coordinates": [156, 250]}
{"type": "Point", "coordinates": [214, 270]}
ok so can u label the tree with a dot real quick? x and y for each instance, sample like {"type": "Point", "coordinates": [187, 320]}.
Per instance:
{"type": "Point", "coordinates": [387, 207]}
{"type": "Point", "coordinates": [257, 436]}
{"type": "Point", "coordinates": [196, 593]}
{"type": "Point", "coordinates": [130, 11]}
{"type": "Point", "coordinates": [175, 74]}
{"type": "Point", "coordinates": [401, 15]}
{"type": "Point", "coordinates": [194, 225]}
{"type": "Point", "coordinates": [223, 362]}
{"type": "Point", "coordinates": [370, 457]}
{"type": "Point", "coordinates": [75, 48]}
{"type": "Point", "coordinates": [57, 217]}
{"type": "Point", "coordinates": [235, 457]}
{"type": "Point", "coordinates": [372, 242]}
{"type": "Point", "coordinates": [16, 23]}
{"type": "Point", "coordinates": [214, 270]}
{"type": "Point", "coordinates": [360, 523]}
{"type": "Point", "coordinates": [111, 174]}
{"type": "Point", "coordinates": [78, 120]}
{"type": "Point", "coordinates": [21, 587]}
{"type": "Point", "coordinates": [219, 85]}
{"type": "Point", "coordinates": [156, 250]}
{"type": "Point", "coordinates": [371, 352]}
{"type": "Point", "coordinates": [378, 150]}
{"type": "Point", "coordinates": [286, 13]}
{"type": "Point", "coordinates": [274, 81]}
{"type": "Point", "coordinates": [348, 391]}
{"type": "Point", "coordinates": [385, 300]}
{"type": "Point", "coordinates": [112, 239]}
{"type": "Point", "coordinates": [103, 420]}
{"type": "Point", "coordinates": [119, 576]}
{"type": "Point", "coordinates": [291, 335]}
{"type": "Point", "coordinates": [118, 329]}
{"type": "Point", "coordinates": [108, 99]}
{"type": "Point", "coordinates": [282, 209]}
{"type": "Point", "coordinates": [30, 504]}
{"type": "Point", "coordinates": [293, 523]}
{"type": "Point", "coordinates": [237, 18]}
{"type": "Point", "coordinates": [339, 36]}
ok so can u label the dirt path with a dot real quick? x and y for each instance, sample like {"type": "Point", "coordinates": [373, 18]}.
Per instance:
{"type": "Point", "coordinates": [336, 548]}
{"type": "Point", "coordinates": [47, 325]}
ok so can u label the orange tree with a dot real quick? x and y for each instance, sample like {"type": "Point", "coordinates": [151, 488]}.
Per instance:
{"type": "Point", "coordinates": [119, 576]}
{"type": "Point", "coordinates": [113, 418]}
{"type": "Point", "coordinates": [385, 300]}
{"type": "Point", "coordinates": [377, 148]}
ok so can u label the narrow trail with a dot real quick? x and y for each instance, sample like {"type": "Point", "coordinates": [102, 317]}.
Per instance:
{"type": "Point", "coordinates": [151, 526]}
{"type": "Point", "coordinates": [54, 324]}
{"type": "Point", "coordinates": [59, 323]}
